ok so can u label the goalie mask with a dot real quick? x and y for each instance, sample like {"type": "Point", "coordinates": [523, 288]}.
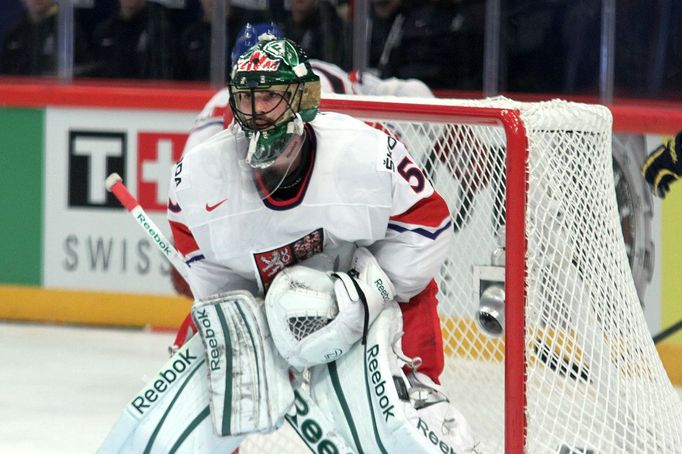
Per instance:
{"type": "Point", "coordinates": [273, 92]}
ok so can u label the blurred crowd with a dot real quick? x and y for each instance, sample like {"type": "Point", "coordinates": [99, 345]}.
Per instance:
{"type": "Point", "coordinates": [547, 46]}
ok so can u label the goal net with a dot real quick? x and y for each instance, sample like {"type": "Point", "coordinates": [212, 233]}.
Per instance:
{"type": "Point", "coordinates": [530, 188]}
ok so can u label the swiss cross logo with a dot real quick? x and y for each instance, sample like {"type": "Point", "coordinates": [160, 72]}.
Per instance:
{"type": "Point", "coordinates": [257, 61]}
{"type": "Point", "coordinates": [156, 154]}
{"type": "Point", "coordinates": [271, 262]}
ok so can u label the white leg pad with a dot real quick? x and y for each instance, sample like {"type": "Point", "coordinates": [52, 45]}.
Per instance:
{"type": "Point", "coordinates": [249, 385]}
{"type": "Point", "coordinates": [171, 413]}
{"type": "Point", "coordinates": [373, 404]}
{"type": "Point", "coordinates": [313, 425]}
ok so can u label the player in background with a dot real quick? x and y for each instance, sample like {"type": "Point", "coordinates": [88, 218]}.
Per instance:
{"type": "Point", "coordinates": [663, 166]}
{"type": "Point", "coordinates": [289, 191]}
{"type": "Point", "coordinates": [215, 116]}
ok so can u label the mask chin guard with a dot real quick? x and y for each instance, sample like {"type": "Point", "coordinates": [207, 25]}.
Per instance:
{"type": "Point", "coordinates": [294, 127]}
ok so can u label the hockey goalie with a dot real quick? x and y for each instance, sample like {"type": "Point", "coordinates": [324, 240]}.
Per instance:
{"type": "Point", "coordinates": [311, 241]}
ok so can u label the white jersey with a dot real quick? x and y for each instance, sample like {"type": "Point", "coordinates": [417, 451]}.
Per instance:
{"type": "Point", "coordinates": [216, 114]}
{"type": "Point", "coordinates": [361, 189]}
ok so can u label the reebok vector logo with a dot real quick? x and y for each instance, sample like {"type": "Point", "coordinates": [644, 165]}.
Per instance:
{"type": "Point", "coordinates": [183, 362]}
{"type": "Point", "coordinates": [210, 208]}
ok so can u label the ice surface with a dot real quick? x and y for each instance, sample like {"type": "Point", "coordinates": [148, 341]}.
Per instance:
{"type": "Point", "coordinates": [62, 388]}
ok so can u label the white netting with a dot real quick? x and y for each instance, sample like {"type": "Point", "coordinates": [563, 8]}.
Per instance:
{"type": "Point", "coordinates": [594, 379]}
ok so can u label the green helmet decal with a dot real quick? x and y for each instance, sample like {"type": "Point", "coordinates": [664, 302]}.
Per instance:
{"type": "Point", "coordinates": [281, 68]}
{"type": "Point", "coordinates": [282, 50]}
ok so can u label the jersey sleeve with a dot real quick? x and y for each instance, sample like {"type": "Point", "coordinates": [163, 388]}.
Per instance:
{"type": "Point", "coordinates": [205, 277]}
{"type": "Point", "coordinates": [333, 79]}
{"type": "Point", "coordinates": [210, 121]}
{"type": "Point", "coordinates": [419, 229]}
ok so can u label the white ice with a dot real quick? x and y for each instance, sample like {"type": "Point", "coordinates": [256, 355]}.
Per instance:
{"type": "Point", "coordinates": [63, 387]}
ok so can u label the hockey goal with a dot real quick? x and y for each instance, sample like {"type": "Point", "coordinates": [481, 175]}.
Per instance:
{"type": "Point", "coordinates": [530, 187]}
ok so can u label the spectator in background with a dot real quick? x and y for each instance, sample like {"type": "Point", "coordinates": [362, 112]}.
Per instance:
{"type": "Point", "coordinates": [136, 43]}
{"type": "Point", "coordinates": [635, 37]}
{"type": "Point", "coordinates": [532, 55]}
{"type": "Point", "coordinates": [316, 26]}
{"type": "Point", "coordinates": [30, 47]}
{"type": "Point", "coordinates": [195, 43]}
{"type": "Point", "coordinates": [665, 72]}
{"type": "Point", "coordinates": [441, 44]}
{"type": "Point", "coordinates": [10, 14]}
{"type": "Point", "coordinates": [387, 18]}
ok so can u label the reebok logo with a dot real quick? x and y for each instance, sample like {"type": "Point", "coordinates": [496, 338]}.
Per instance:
{"type": "Point", "coordinates": [163, 381]}
{"type": "Point", "coordinates": [379, 284]}
{"type": "Point", "coordinates": [210, 208]}
{"type": "Point", "coordinates": [433, 437]}
{"type": "Point", "coordinates": [302, 419]}
{"type": "Point", "coordinates": [378, 383]}
{"type": "Point", "coordinates": [214, 349]}
{"type": "Point", "coordinates": [142, 220]}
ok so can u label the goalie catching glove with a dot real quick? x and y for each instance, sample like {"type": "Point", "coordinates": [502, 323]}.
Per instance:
{"type": "Point", "coordinates": [663, 167]}
{"type": "Point", "coordinates": [316, 317]}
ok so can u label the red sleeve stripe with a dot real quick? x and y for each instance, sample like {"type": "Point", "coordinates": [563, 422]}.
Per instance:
{"type": "Point", "coordinates": [228, 118]}
{"type": "Point", "coordinates": [218, 111]}
{"type": "Point", "coordinates": [184, 241]}
{"type": "Point", "coordinates": [428, 212]}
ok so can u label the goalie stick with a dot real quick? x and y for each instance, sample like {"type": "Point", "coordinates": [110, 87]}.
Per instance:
{"type": "Point", "coordinates": [114, 184]}
{"type": "Point", "coordinates": [305, 412]}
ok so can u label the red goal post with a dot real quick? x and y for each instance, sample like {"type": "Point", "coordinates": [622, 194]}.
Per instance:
{"type": "Point", "coordinates": [516, 176]}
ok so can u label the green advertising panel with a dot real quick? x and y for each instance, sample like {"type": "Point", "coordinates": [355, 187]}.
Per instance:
{"type": "Point", "coordinates": [21, 155]}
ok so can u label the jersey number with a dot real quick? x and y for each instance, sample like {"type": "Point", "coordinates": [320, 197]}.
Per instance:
{"type": "Point", "coordinates": [412, 174]}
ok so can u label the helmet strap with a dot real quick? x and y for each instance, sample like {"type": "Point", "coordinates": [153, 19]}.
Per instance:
{"type": "Point", "coordinates": [253, 143]}
{"type": "Point", "coordinates": [295, 126]}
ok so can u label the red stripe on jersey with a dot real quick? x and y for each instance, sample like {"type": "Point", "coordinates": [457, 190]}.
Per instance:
{"type": "Point", "coordinates": [228, 117]}
{"type": "Point", "coordinates": [381, 127]}
{"type": "Point", "coordinates": [218, 111]}
{"type": "Point", "coordinates": [429, 212]}
{"type": "Point", "coordinates": [184, 240]}
{"type": "Point", "coordinates": [355, 76]}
